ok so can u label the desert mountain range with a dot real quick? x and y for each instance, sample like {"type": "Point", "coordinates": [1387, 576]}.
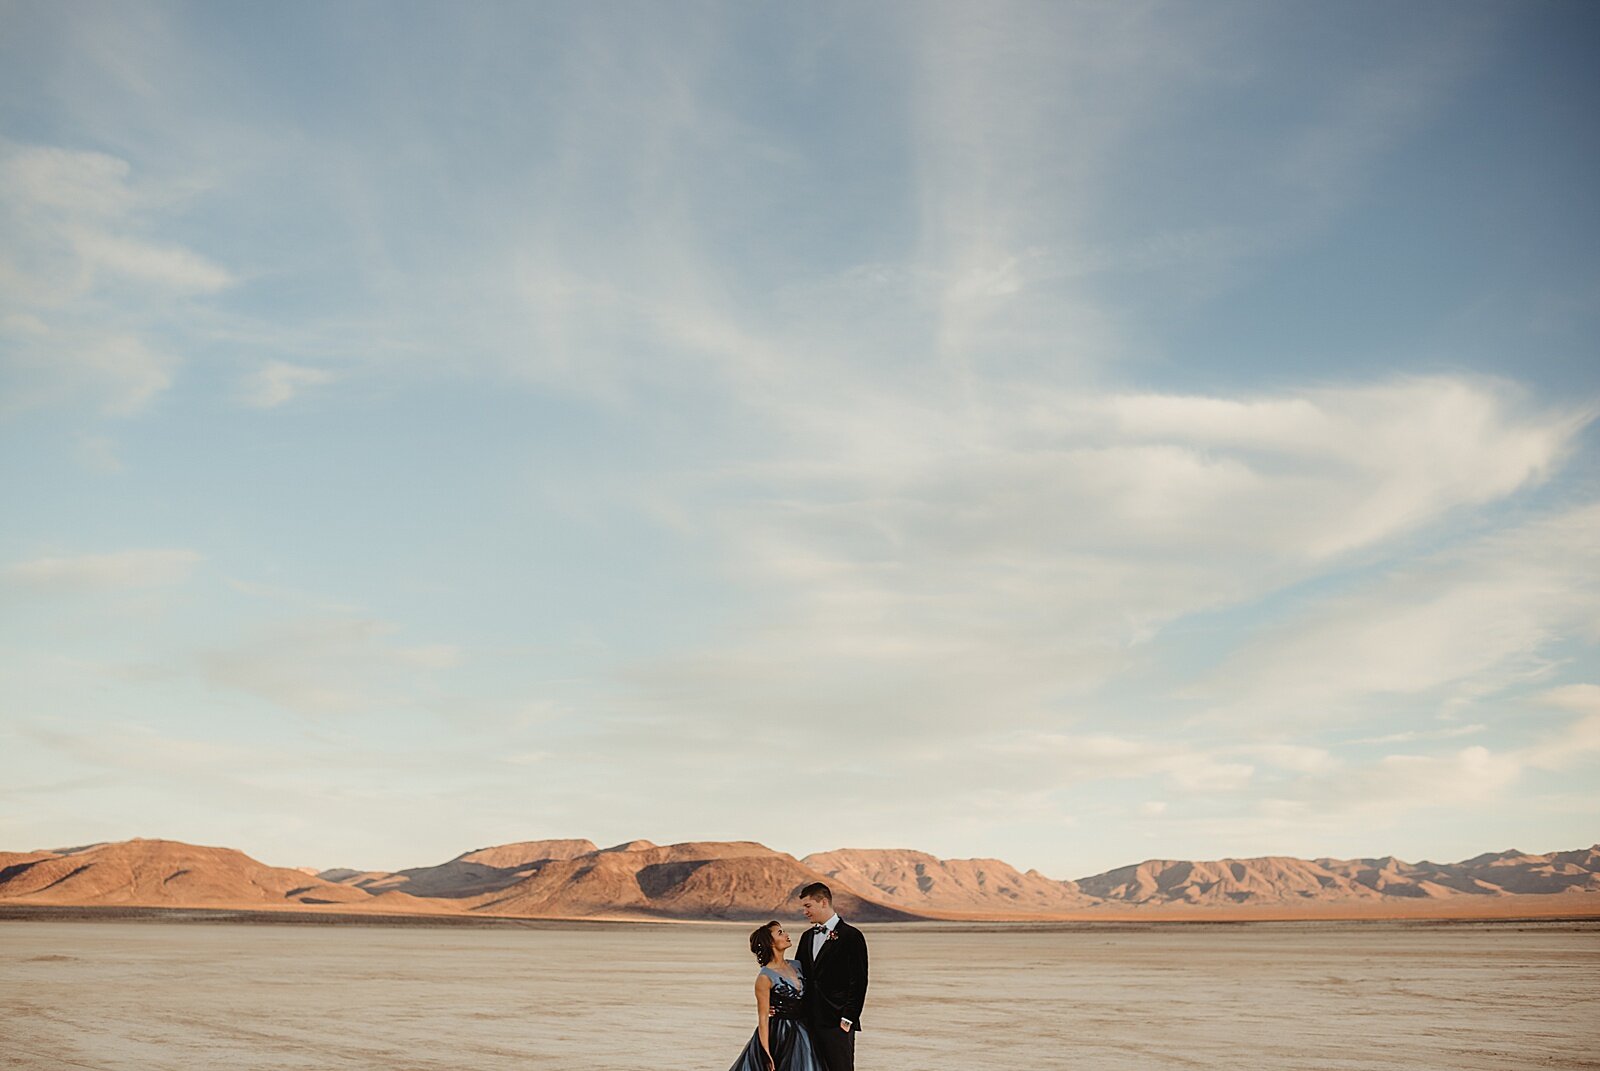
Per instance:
{"type": "Point", "coordinates": [746, 880]}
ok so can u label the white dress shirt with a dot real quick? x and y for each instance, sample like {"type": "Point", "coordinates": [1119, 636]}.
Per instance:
{"type": "Point", "coordinates": [818, 938]}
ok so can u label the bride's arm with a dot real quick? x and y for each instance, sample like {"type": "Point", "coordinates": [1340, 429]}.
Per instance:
{"type": "Point", "coordinates": [763, 1009]}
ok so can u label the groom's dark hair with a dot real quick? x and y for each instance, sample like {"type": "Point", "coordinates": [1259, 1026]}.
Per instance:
{"type": "Point", "coordinates": [817, 891]}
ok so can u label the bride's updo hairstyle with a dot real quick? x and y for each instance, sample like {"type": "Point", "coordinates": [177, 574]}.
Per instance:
{"type": "Point", "coordinates": [761, 943]}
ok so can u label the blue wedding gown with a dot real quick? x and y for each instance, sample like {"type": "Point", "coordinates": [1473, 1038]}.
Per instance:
{"type": "Point", "coordinates": [790, 1041]}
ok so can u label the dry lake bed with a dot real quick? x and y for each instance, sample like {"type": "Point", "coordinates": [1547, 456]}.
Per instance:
{"type": "Point", "coordinates": [198, 996]}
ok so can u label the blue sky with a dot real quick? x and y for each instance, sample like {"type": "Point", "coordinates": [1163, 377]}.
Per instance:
{"type": "Point", "coordinates": [1067, 433]}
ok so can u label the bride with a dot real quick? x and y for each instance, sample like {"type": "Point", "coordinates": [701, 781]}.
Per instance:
{"type": "Point", "coordinates": [780, 1042]}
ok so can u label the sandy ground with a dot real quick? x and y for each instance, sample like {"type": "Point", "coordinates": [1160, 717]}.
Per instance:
{"type": "Point", "coordinates": [134, 995]}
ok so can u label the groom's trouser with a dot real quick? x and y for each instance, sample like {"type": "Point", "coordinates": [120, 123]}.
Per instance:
{"type": "Point", "coordinates": [837, 1048]}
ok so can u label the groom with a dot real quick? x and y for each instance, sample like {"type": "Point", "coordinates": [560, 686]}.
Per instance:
{"type": "Point", "coordinates": [833, 960]}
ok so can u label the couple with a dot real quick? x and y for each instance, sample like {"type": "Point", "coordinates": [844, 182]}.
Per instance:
{"type": "Point", "coordinates": [808, 1009]}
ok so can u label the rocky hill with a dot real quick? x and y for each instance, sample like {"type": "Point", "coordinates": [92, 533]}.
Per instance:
{"type": "Point", "coordinates": [1280, 879]}
{"type": "Point", "coordinates": [733, 880]}
{"type": "Point", "coordinates": [469, 874]}
{"type": "Point", "coordinates": [749, 881]}
{"type": "Point", "coordinates": [918, 881]}
{"type": "Point", "coordinates": [164, 873]}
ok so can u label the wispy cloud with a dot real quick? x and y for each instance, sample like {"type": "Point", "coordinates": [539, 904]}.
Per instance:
{"type": "Point", "coordinates": [876, 355]}
{"type": "Point", "coordinates": [73, 215]}
{"type": "Point", "coordinates": [1394, 786]}
{"type": "Point", "coordinates": [167, 267]}
{"type": "Point", "coordinates": [277, 382]}
{"type": "Point", "coordinates": [52, 365]}
{"type": "Point", "coordinates": [1411, 736]}
{"type": "Point", "coordinates": [85, 283]}
{"type": "Point", "coordinates": [1576, 742]}
{"type": "Point", "coordinates": [100, 572]}
{"type": "Point", "coordinates": [1387, 789]}
{"type": "Point", "coordinates": [1464, 623]}
{"type": "Point", "coordinates": [1021, 555]}
{"type": "Point", "coordinates": [328, 665]}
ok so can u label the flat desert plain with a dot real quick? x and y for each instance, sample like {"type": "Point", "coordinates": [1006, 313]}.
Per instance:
{"type": "Point", "coordinates": [200, 995]}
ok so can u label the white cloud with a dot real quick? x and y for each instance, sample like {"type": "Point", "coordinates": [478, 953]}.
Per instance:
{"type": "Point", "coordinates": [1309, 474]}
{"type": "Point", "coordinates": [1012, 553]}
{"type": "Point", "coordinates": [1464, 623]}
{"type": "Point", "coordinates": [949, 602]}
{"type": "Point", "coordinates": [1574, 743]}
{"type": "Point", "coordinates": [1471, 775]}
{"type": "Point", "coordinates": [75, 214]}
{"type": "Point", "coordinates": [1387, 790]}
{"type": "Point", "coordinates": [1412, 735]}
{"type": "Point", "coordinates": [171, 268]}
{"type": "Point", "coordinates": [1300, 758]}
{"type": "Point", "coordinates": [128, 372]}
{"type": "Point", "coordinates": [947, 527]}
{"type": "Point", "coordinates": [308, 602]}
{"type": "Point", "coordinates": [99, 572]}
{"type": "Point", "coordinates": [1033, 759]}
{"type": "Point", "coordinates": [328, 664]}
{"type": "Point", "coordinates": [1391, 789]}
{"type": "Point", "coordinates": [118, 370]}
{"type": "Point", "coordinates": [139, 748]}
{"type": "Point", "coordinates": [277, 382]}
{"type": "Point", "coordinates": [1017, 117]}
{"type": "Point", "coordinates": [77, 183]}
{"type": "Point", "coordinates": [85, 285]}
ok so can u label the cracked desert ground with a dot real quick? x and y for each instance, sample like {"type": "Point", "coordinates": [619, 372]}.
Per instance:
{"type": "Point", "coordinates": [199, 995]}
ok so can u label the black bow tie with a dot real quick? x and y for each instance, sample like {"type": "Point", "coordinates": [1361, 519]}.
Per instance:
{"type": "Point", "coordinates": [820, 927]}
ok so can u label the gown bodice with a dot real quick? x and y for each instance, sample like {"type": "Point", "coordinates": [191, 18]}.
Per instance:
{"type": "Point", "coordinates": [786, 995]}
{"type": "Point", "coordinates": [788, 1045]}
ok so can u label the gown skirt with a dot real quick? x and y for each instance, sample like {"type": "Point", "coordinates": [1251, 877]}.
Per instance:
{"type": "Point", "coordinates": [791, 1049]}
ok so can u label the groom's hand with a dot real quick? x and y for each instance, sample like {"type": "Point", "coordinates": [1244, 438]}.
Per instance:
{"type": "Point", "coordinates": [844, 1024]}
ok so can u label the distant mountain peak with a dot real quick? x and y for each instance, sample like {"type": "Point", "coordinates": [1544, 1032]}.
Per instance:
{"type": "Point", "coordinates": [631, 846]}
{"type": "Point", "coordinates": [747, 880]}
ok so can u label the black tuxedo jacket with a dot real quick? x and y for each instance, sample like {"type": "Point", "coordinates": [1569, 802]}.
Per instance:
{"type": "Point", "coordinates": [836, 982]}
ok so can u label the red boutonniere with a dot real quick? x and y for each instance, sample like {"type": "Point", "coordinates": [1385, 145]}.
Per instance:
{"type": "Point", "coordinates": [833, 935]}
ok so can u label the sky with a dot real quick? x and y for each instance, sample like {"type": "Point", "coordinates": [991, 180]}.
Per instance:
{"type": "Point", "coordinates": [1067, 433]}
